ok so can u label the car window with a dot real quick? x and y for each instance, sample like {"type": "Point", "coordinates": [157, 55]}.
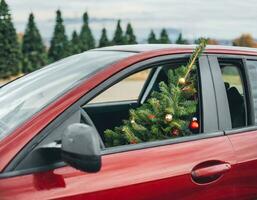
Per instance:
{"type": "Point", "coordinates": [125, 90]}
{"type": "Point", "coordinates": [234, 85]}
{"type": "Point", "coordinates": [231, 75]}
{"type": "Point", "coordinates": [171, 110]}
{"type": "Point", "coordinates": [21, 99]}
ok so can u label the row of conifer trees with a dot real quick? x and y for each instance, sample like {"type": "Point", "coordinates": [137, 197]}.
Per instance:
{"type": "Point", "coordinates": [29, 53]}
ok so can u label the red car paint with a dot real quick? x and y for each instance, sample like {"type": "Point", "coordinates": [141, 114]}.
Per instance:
{"type": "Point", "coordinates": [126, 175]}
{"type": "Point", "coordinates": [133, 175]}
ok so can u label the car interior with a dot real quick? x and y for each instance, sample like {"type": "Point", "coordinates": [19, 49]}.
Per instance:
{"type": "Point", "coordinates": [236, 106]}
{"type": "Point", "coordinates": [116, 112]}
{"type": "Point", "coordinates": [235, 93]}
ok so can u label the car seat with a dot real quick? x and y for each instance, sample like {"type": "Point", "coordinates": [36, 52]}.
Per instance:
{"type": "Point", "coordinates": [236, 107]}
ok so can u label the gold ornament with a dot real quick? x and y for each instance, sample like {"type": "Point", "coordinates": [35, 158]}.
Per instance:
{"type": "Point", "coordinates": [168, 117]}
{"type": "Point", "coordinates": [132, 121]}
{"type": "Point", "coordinates": [182, 81]}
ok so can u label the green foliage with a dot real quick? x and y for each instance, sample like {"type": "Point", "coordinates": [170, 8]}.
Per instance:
{"type": "Point", "coordinates": [152, 38]}
{"type": "Point", "coordinates": [181, 40]}
{"type": "Point", "coordinates": [130, 37]}
{"type": "Point", "coordinates": [103, 42]}
{"type": "Point", "coordinates": [148, 122]}
{"type": "Point", "coordinates": [75, 43]}
{"type": "Point", "coordinates": [164, 37]}
{"type": "Point", "coordinates": [33, 49]}
{"type": "Point", "coordinates": [10, 53]}
{"type": "Point", "coordinates": [87, 40]}
{"type": "Point", "coordinates": [118, 38]}
{"type": "Point", "coordinates": [59, 47]}
{"type": "Point", "coordinates": [209, 41]}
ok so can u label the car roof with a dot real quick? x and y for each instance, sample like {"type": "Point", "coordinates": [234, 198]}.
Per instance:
{"type": "Point", "coordinates": [138, 48]}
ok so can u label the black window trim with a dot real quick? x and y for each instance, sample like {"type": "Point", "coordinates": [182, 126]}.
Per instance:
{"type": "Point", "coordinates": [210, 118]}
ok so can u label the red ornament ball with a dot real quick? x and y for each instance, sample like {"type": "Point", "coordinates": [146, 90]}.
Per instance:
{"type": "Point", "coordinates": [133, 142]}
{"type": "Point", "coordinates": [151, 116]}
{"type": "Point", "coordinates": [175, 132]}
{"type": "Point", "coordinates": [194, 124]}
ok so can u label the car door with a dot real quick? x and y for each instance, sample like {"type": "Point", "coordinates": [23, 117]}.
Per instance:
{"type": "Point", "coordinates": [194, 167]}
{"type": "Point", "coordinates": [239, 75]}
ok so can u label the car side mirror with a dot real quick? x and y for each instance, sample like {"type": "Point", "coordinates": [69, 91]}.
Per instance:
{"type": "Point", "coordinates": [81, 147]}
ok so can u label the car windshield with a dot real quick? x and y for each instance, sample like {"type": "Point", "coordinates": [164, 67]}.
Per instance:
{"type": "Point", "coordinates": [22, 98]}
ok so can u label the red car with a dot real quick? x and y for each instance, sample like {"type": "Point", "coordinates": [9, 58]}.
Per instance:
{"type": "Point", "coordinates": [52, 122]}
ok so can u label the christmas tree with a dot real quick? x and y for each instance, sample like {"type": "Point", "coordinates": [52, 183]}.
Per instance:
{"type": "Point", "coordinates": [75, 43]}
{"type": "Point", "coordinates": [104, 39]}
{"type": "Point", "coordinates": [118, 38]}
{"type": "Point", "coordinates": [168, 113]}
{"type": "Point", "coordinates": [33, 49]}
{"type": "Point", "coordinates": [130, 37]}
{"type": "Point", "coordinates": [86, 37]}
{"type": "Point", "coordinates": [59, 47]}
{"type": "Point", "coordinates": [152, 38]}
{"type": "Point", "coordinates": [10, 54]}
{"type": "Point", "coordinates": [164, 37]}
{"type": "Point", "coordinates": [181, 40]}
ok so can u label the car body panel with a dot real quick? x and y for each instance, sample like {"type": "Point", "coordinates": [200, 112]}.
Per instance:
{"type": "Point", "coordinates": [245, 144]}
{"type": "Point", "coordinates": [152, 173]}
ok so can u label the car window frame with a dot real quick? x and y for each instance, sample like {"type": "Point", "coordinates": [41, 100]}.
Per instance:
{"type": "Point", "coordinates": [222, 101]}
{"type": "Point", "coordinates": [210, 118]}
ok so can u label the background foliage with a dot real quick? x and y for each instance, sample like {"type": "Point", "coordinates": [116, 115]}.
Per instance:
{"type": "Point", "coordinates": [26, 53]}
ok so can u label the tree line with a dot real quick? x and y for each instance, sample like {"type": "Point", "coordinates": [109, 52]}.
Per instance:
{"type": "Point", "coordinates": [30, 53]}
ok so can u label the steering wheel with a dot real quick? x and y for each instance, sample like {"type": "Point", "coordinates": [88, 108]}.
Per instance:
{"type": "Point", "coordinates": [88, 121]}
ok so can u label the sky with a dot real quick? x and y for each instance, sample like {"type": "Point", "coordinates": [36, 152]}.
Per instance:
{"type": "Point", "coordinates": [219, 19]}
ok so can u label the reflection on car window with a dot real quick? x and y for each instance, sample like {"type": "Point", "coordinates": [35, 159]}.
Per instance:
{"type": "Point", "coordinates": [231, 76]}
{"type": "Point", "coordinates": [233, 81]}
{"type": "Point", "coordinates": [21, 99]}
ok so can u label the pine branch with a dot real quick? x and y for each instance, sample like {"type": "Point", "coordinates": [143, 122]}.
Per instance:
{"type": "Point", "coordinates": [196, 54]}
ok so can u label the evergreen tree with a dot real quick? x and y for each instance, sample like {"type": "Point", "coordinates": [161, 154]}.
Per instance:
{"type": "Point", "coordinates": [10, 54]}
{"type": "Point", "coordinates": [59, 47]}
{"type": "Point", "coordinates": [87, 40]}
{"type": "Point", "coordinates": [26, 65]}
{"type": "Point", "coordinates": [130, 37]}
{"type": "Point", "coordinates": [164, 37]}
{"type": "Point", "coordinates": [152, 38]}
{"type": "Point", "coordinates": [118, 38]}
{"type": "Point", "coordinates": [168, 113]}
{"type": "Point", "coordinates": [33, 49]}
{"type": "Point", "coordinates": [75, 43]}
{"type": "Point", "coordinates": [103, 42]}
{"type": "Point", "coordinates": [181, 40]}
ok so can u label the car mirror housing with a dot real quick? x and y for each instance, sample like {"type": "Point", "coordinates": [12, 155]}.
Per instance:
{"type": "Point", "coordinates": [81, 147]}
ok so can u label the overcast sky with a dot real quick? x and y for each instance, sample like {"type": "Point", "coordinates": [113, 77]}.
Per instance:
{"type": "Point", "coordinates": [220, 19]}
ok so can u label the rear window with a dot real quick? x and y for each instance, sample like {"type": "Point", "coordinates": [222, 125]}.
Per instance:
{"type": "Point", "coordinates": [21, 99]}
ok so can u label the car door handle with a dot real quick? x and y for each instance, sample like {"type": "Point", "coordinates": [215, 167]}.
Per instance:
{"type": "Point", "coordinates": [209, 171]}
